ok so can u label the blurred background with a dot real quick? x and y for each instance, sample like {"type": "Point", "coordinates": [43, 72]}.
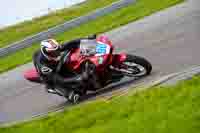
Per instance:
{"type": "Point", "coordinates": [15, 11]}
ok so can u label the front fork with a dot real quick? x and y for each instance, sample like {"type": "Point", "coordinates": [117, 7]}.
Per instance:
{"type": "Point", "coordinates": [119, 66]}
{"type": "Point", "coordinates": [117, 62]}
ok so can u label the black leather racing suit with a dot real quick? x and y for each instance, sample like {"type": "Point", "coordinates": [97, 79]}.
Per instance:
{"type": "Point", "coordinates": [47, 69]}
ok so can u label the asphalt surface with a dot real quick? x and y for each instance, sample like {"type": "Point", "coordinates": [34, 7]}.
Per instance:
{"type": "Point", "coordinates": [170, 40]}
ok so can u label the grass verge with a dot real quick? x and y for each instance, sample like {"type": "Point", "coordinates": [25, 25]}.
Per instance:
{"type": "Point", "coordinates": [156, 110]}
{"type": "Point", "coordinates": [123, 16]}
{"type": "Point", "coordinates": [17, 32]}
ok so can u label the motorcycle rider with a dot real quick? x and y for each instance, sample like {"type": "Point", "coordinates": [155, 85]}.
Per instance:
{"type": "Point", "coordinates": [46, 61]}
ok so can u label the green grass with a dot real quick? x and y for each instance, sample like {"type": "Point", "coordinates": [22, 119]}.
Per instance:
{"type": "Point", "coordinates": [174, 109]}
{"type": "Point", "coordinates": [17, 32]}
{"type": "Point", "coordinates": [123, 16]}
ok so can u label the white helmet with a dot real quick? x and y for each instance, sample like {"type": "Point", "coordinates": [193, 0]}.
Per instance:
{"type": "Point", "coordinates": [50, 49]}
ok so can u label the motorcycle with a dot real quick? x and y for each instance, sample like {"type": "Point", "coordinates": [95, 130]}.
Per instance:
{"type": "Point", "coordinates": [109, 67]}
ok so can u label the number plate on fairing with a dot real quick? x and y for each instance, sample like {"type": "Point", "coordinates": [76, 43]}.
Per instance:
{"type": "Point", "coordinates": [102, 49]}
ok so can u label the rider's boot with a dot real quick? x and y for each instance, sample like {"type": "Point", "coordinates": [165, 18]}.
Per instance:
{"type": "Point", "coordinates": [50, 89]}
{"type": "Point", "coordinates": [74, 97]}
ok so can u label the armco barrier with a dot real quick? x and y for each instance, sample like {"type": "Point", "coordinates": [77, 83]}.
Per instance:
{"type": "Point", "coordinates": [63, 27]}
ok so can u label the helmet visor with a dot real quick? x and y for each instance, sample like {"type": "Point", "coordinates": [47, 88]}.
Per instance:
{"type": "Point", "coordinates": [52, 53]}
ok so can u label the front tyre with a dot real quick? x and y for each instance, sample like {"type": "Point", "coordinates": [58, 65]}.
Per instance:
{"type": "Point", "coordinates": [136, 66]}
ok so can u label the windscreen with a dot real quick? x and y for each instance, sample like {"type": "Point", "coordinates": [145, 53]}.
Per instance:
{"type": "Point", "coordinates": [88, 47]}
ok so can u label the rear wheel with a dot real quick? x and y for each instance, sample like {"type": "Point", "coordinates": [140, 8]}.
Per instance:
{"type": "Point", "coordinates": [136, 66]}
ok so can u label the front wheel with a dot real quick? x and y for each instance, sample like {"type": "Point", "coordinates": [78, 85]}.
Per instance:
{"type": "Point", "coordinates": [136, 66]}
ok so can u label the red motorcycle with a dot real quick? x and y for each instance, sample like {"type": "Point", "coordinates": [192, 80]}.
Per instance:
{"type": "Point", "coordinates": [109, 67]}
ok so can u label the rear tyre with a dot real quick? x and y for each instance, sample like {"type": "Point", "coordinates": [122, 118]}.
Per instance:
{"type": "Point", "coordinates": [136, 66]}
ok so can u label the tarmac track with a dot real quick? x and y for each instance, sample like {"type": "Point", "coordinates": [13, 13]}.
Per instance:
{"type": "Point", "coordinates": [170, 40]}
